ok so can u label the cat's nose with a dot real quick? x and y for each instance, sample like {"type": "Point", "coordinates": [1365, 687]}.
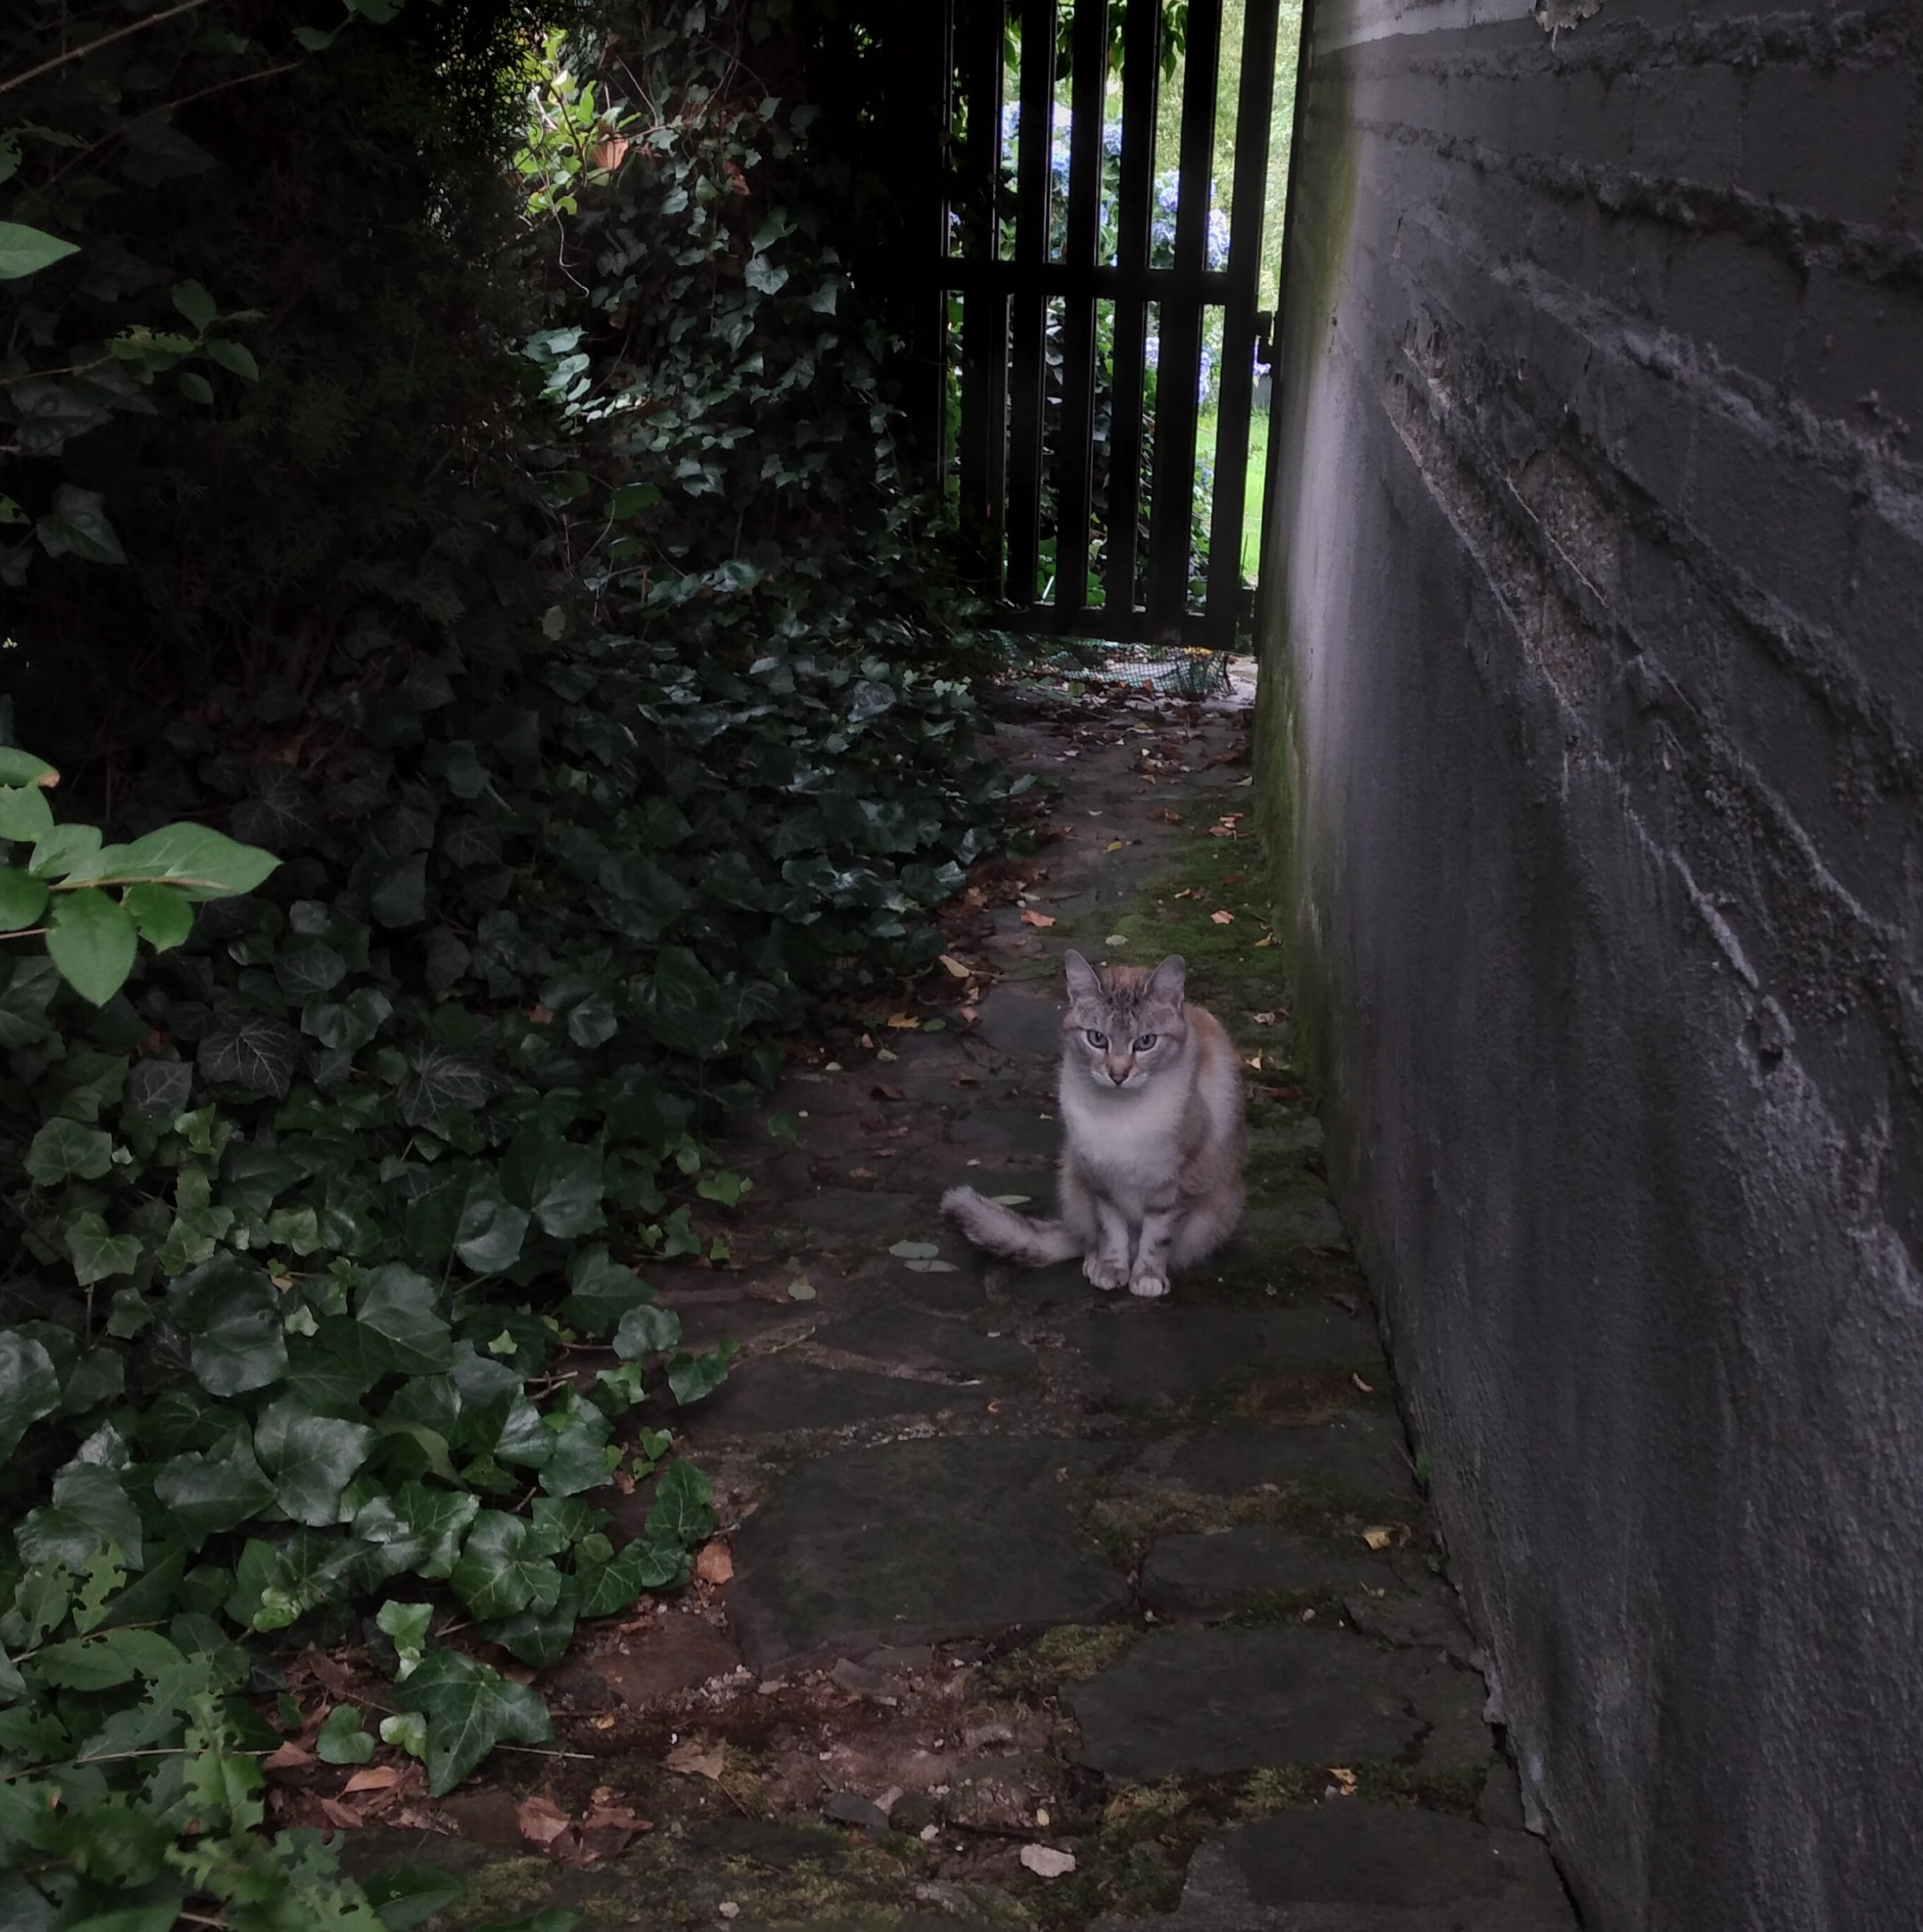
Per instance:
{"type": "Point", "coordinates": [1118, 1074]}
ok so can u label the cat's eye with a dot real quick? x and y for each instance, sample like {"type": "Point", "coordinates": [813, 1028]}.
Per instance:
{"type": "Point", "coordinates": [1145, 1043]}
{"type": "Point", "coordinates": [1097, 1040]}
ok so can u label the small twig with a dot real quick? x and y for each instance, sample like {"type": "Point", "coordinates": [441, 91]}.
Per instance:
{"type": "Point", "coordinates": [79, 53]}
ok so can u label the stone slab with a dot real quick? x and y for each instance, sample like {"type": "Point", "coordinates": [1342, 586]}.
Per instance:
{"type": "Point", "coordinates": [1205, 1575]}
{"type": "Point", "coordinates": [1021, 1019]}
{"type": "Point", "coordinates": [1346, 1867]}
{"type": "Point", "coordinates": [1173, 1352]}
{"type": "Point", "coordinates": [917, 1542]}
{"type": "Point", "coordinates": [918, 1339]}
{"type": "Point", "coordinates": [842, 1215]}
{"type": "Point", "coordinates": [1201, 1702]}
{"type": "Point", "coordinates": [767, 1396]}
{"type": "Point", "coordinates": [1361, 1450]}
{"type": "Point", "coordinates": [1003, 1131]}
{"type": "Point", "coordinates": [1310, 1222]}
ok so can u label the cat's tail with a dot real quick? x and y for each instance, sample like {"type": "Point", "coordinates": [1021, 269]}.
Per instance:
{"type": "Point", "coordinates": [1004, 1231]}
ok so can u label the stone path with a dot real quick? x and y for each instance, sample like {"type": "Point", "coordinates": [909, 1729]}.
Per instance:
{"type": "Point", "coordinates": [1023, 1574]}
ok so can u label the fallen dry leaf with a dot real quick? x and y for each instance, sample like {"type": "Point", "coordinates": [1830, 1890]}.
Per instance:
{"type": "Point", "coordinates": [372, 1777]}
{"type": "Point", "coordinates": [345, 1815]}
{"type": "Point", "coordinates": [1031, 917]}
{"type": "Point", "coordinates": [694, 1759]}
{"type": "Point", "coordinates": [904, 1020]}
{"type": "Point", "coordinates": [1190, 892]}
{"type": "Point", "coordinates": [882, 1090]}
{"type": "Point", "coordinates": [1263, 1019]}
{"type": "Point", "coordinates": [1345, 1779]}
{"type": "Point", "coordinates": [861, 1173]}
{"type": "Point", "coordinates": [541, 1821]}
{"type": "Point", "coordinates": [540, 1015]}
{"type": "Point", "coordinates": [605, 1831]}
{"type": "Point", "coordinates": [1166, 816]}
{"type": "Point", "coordinates": [1222, 918]}
{"type": "Point", "coordinates": [969, 1016]}
{"type": "Point", "coordinates": [1115, 844]}
{"type": "Point", "coordinates": [713, 1565]}
{"type": "Point", "coordinates": [1376, 1536]}
{"type": "Point", "coordinates": [1368, 1389]}
{"type": "Point", "coordinates": [955, 966]}
{"type": "Point", "coordinates": [288, 1758]}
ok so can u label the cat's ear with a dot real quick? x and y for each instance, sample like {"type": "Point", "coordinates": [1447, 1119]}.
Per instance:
{"type": "Point", "coordinates": [1083, 983]}
{"type": "Point", "coordinates": [1166, 983]}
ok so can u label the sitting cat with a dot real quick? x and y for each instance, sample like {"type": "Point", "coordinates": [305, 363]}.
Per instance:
{"type": "Point", "coordinates": [1151, 1175]}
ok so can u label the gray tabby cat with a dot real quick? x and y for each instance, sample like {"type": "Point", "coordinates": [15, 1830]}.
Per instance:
{"type": "Point", "coordinates": [1151, 1175]}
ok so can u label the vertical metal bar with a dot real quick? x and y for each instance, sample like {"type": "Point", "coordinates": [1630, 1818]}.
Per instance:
{"type": "Point", "coordinates": [1075, 453]}
{"type": "Point", "coordinates": [984, 316]}
{"type": "Point", "coordinates": [1028, 330]}
{"type": "Point", "coordinates": [1178, 365]}
{"type": "Point", "coordinates": [1142, 56]}
{"type": "Point", "coordinates": [1239, 325]}
{"type": "Point", "coordinates": [926, 68]}
{"type": "Point", "coordinates": [1268, 587]}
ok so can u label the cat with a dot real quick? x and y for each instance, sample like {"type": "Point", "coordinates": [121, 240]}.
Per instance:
{"type": "Point", "coordinates": [1151, 1175]}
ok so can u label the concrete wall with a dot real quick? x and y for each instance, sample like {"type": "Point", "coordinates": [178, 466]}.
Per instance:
{"type": "Point", "coordinates": [1592, 741]}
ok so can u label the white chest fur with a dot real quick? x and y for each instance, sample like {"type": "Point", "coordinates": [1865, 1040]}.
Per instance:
{"type": "Point", "coordinates": [1127, 1142]}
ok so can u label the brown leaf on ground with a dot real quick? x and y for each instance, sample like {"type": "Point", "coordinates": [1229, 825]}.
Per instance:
{"type": "Point", "coordinates": [957, 966]}
{"type": "Point", "coordinates": [337, 1813]}
{"type": "Point", "coordinates": [713, 1565]}
{"type": "Point", "coordinates": [904, 1020]}
{"type": "Point", "coordinates": [696, 1759]}
{"type": "Point", "coordinates": [1222, 918]}
{"type": "Point", "coordinates": [606, 1831]}
{"type": "Point", "coordinates": [861, 1173]}
{"type": "Point", "coordinates": [1166, 815]}
{"type": "Point", "coordinates": [372, 1777]}
{"type": "Point", "coordinates": [1031, 917]}
{"type": "Point", "coordinates": [542, 1821]}
{"type": "Point", "coordinates": [288, 1758]}
{"type": "Point", "coordinates": [882, 1090]}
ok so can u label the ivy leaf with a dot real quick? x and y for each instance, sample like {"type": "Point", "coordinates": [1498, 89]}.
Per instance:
{"type": "Point", "coordinates": [347, 1025]}
{"type": "Point", "coordinates": [608, 1588]}
{"type": "Point", "coordinates": [470, 1709]}
{"type": "Point", "coordinates": [93, 942]}
{"type": "Point", "coordinates": [401, 1327]}
{"type": "Point", "coordinates": [309, 970]}
{"type": "Point", "coordinates": [22, 900]}
{"type": "Point", "coordinates": [65, 1150]}
{"type": "Point", "coordinates": [29, 1387]}
{"type": "Point", "coordinates": [560, 1183]}
{"type": "Point", "coordinates": [342, 1741]}
{"type": "Point", "coordinates": [257, 1055]}
{"type": "Point", "coordinates": [646, 1330]}
{"type": "Point", "coordinates": [407, 1895]}
{"type": "Point", "coordinates": [90, 1510]}
{"type": "Point", "coordinates": [233, 1315]}
{"type": "Point", "coordinates": [76, 526]}
{"type": "Point", "coordinates": [401, 897]}
{"type": "Point", "coordinates": [497, 1574]}
{"type": "Point", "coordinates": [159, 1088]}
{"type": "Point", "coordinates": [693, 1376]}
{"type": "Point", "coordinates": [601, 1290]}
{"type": "Point", "coordinates": [680, 1004]}
{"type": "Point", "coordinates": [309, 1459]}
{"type": "Point", "coordinates": [214, 1489]}
{"type": "Point", "coordinates": [489, 1234]}
{"type": "Point", "coordinates": [440, 1080]}
{"type": "Point", "coordinates": [682, 1515]}
{"type": "Point", "coordinates": [415, 1528]}
{"type": "Point", "coordinates": [95, 1253]}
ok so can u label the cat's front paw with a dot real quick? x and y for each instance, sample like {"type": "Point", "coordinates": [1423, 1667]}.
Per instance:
{"type": "Point", "coordinates": [1104, 1273]}
{"type": "Point", "coordinates": [1149, 1284]}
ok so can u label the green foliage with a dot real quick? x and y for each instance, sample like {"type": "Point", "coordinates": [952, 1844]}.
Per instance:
{"type": "Point", "coordinates": [591, 713]}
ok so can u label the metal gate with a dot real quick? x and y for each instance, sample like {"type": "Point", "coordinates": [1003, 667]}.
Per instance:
{"type": "Point", "coordinates": [1068, 420]}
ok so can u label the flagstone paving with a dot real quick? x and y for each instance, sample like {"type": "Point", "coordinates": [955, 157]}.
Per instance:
{"type": "Point", "coordinates": [1047, 1609]}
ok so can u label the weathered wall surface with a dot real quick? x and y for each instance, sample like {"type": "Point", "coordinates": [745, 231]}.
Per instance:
{"type": "Point", "coordinates": [1593, 742]}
